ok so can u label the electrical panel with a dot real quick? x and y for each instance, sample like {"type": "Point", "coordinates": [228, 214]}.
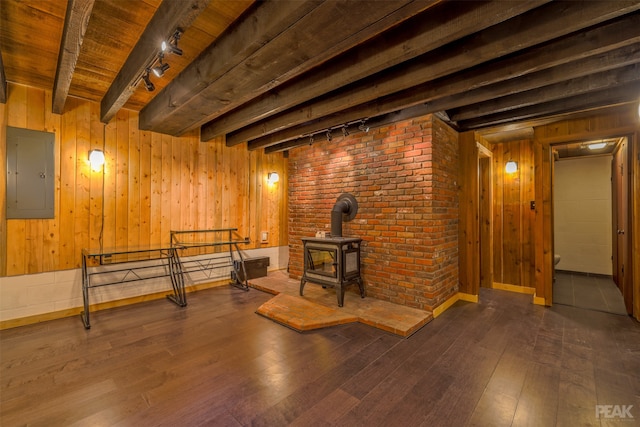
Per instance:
{"type": "Point", "coordinates": [30, 174]}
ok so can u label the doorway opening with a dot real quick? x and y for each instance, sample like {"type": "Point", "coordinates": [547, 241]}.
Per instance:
{"type": "Point", "coordinates": [587, 200]}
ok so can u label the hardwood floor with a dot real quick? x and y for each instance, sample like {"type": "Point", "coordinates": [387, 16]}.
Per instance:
{"type": "Point", "coordinates": [501, 362]}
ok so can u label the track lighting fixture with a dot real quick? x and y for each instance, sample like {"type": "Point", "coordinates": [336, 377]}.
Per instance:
{"type": "Point", "coordinates": [147, 82]}
{"type": "Point", "coordinates": [159, 69]}
{"type": "Point", "coordinates": [363, 127]}
{"type": "Point", "coordinates": [171, 46]}
{"type": "Point", "coordinates": [310, 139]}
{"type": "Point", "coordinates": [329, 137]}
{"type": "Point", "coordinates": [345, 131]}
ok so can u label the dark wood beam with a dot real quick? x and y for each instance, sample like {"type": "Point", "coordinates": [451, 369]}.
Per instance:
{"type": "Point", "coordinates": [169, 16]}
{"type": "Point", "coordinates": [282, 40]}
{"type": "Point", "coordinates": [535, 27]}
{"type": "Point", "coordinates": [501, 76]}
{"type": "Point", "coordinates": [499, 94]}
{"type": "Point", "coordinates": [386, 119]}
{"type": "Point", "coordinates": [592, 100]}
{"type": "Point", "coordinates": [3, 82]}
{"type": "Point", "coordinates": [431, 29]}
{"type": "Point", "coordinates": [75, 25]}
{"type": "Point", "coordinates": [550, 92]}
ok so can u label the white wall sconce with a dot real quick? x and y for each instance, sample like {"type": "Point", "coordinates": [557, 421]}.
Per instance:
{"type": "Point", "coordinates": [96, 158]}
{"type": "Point", "coordinates": [273, 177]}
{"type": "Point", "coordinates": [511, 167]}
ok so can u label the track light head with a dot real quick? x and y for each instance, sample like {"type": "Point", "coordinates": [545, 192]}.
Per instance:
{"type": "Point", "coordinates": [159, 70]}
{"type": "Point", "coordinates": [147, 81]}
{"type": "Point", "coordinates": [345, 131]}
{"type": "Point", "coordinates": [171, 46]}
{"type": "Point", "coordinates": [329, 136]}
{"type": "Point", "coordinates": [363, 127]}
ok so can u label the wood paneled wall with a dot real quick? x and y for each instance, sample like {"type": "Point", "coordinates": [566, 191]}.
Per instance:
{"type": "Point", "coordinates": [513, 218]}
{"type": "Point", "coordinates": [152, 183]}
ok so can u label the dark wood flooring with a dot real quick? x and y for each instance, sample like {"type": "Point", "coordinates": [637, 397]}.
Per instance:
{"type": "Point", "coordinates": [501, 362]}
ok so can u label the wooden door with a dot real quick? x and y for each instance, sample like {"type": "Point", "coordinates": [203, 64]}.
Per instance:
{"type": "Point", "coordinates": [620, 199]}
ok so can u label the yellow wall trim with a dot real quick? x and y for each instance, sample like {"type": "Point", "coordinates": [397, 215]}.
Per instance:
{"type": "Point", "coordinates": [29, 320]}
{"type": "Point", "coordinates": [539, 300]}
{"type": "Point", "coordinates": [445, 305]}
{"type": "Point", "coordinates": [514, 288]}
{"type": "Point", "coordinates": [467, 297]}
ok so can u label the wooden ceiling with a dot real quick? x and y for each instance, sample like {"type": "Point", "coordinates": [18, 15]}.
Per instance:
{"type": "Point", "coordinates": [274, 73]}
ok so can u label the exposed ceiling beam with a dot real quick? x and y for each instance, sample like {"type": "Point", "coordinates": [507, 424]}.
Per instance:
{"type": "Point", "coordinates": [606, 97]}
{"type": "Point", "coordinates": [500, 91]}
{"type": "Point", "coordinates": [75, 25]}
{"type": "Point", "coordinates": [416, 36]}
{"type": "Point", "coordinates": [319, 31]}
{"type": "Point", "coordinates": [537, 26]}
{"type": "Point", "coordinates": [3, 82]}
{"type": "Point", "coordinates": [563, 89]}
{"type": "Point", "coordinates": [169, 16]}
{"type": "Point", "coordinates": [409, 113]}
{"type": "Point", "coordinates": [499, 76]}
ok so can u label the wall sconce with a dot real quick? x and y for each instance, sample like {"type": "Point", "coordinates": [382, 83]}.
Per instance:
{"type": "Point", "coordinates": [96, 158]}
{"type": "Point", "coordinates": [273, 177]}
{"type": "Point", "coordinates": [511, 167]}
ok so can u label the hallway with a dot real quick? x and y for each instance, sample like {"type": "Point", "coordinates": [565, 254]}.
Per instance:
{"type": "Point", "coordinates": [592, 292]}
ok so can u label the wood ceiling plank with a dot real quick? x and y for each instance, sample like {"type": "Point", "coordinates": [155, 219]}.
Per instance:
{"type": "Point", "coordinates": [75, 26]}
{"type": "Point", "coordinates": [323, 32]}
{"type": "Point", "coordinates": [29, 59]}
{"type": "Point", "coordinates": [535, 27]}
{"type": "Point", "coordinates": [591, 100]}
{"type": "Point", "coordinates": [431, 29]}
{"type": "Point", "coordinates": [169, 16]}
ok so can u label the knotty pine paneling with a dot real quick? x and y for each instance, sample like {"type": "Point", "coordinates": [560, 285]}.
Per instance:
{"type": "Point", "coordinates": [514, 251]}
{"type": "Point", "coordinates": [152, 183]}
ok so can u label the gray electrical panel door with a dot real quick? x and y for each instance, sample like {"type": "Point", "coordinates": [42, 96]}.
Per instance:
{"type": "Point", "coordinates": [30, 173]}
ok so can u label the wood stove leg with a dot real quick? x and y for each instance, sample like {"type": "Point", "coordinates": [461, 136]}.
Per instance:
{"type": "Point", "coordinates": [340, 294]}
{"type": "Point", "coordinates": [302, 283]}
{"type": "Point", "coordinates": [361, 286]}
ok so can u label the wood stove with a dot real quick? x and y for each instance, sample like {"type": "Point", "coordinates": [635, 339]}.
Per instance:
{"type": "Point", "coordinates": [332, 261]}
{"type": "Point", "coordinates": [335, 260]}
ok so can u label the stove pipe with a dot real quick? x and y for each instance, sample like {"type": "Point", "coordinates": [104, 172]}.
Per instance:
{"type": "Point", "coordinates": [345, 205]}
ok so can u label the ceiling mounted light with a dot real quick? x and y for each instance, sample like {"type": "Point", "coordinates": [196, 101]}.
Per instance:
{"type": "Point", "coordinates": [159, 70]}
{"type": "Point", "coordinates": [329, 137]}
{"type": "Point", "coordinates": [171, 46]}
{"type": "Point", "coordinates": [597, 145]}
{"type": "Point", "coordinates": [363, 127]}
{"type": "Point", "coordinates": [345, 131]}
{"type": "Point", "coordinates": [147, 82]}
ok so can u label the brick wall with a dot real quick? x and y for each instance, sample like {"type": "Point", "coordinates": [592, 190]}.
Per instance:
{"type": "Point", "coordinates": [404, 179]}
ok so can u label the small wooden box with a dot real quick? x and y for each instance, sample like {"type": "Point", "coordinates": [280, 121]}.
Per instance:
{"type": "Point", "coordinates": [255, 268]}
